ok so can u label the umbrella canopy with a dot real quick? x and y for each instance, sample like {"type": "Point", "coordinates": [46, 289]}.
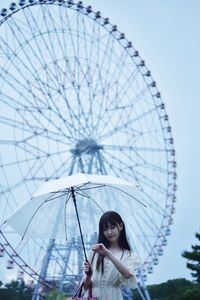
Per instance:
{"type": "Point", "coordinates": [52, 210]}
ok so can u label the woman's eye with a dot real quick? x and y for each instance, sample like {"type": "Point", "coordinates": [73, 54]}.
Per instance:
{"type": "Point", "coordinates": [110, 227]}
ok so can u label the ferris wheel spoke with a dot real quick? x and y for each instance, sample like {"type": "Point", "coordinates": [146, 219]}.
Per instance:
{"type": "Point", "coordinates": [58, 68]}
{"type": "Point", "coordinates": [59, 170]}
{"type": "Point", "coordinates": [97, 74]}
{"type": "Point", "coordinates": [140, 236]}
{"type": "Point", "coordinates": [48, 23]}
{"type": "Point", "coordinates": [119, 160]}
{"type": "Point", "coordinates": [16, 90]}
{"type": "Point", "coordinates": [19, 40]}
{"type": "Point", "coordinates": [13, 186]}
{"type": "Point", "coordinates": [9, 122]}
{"type": "Point", "coordinates": [107, 60]}
{"type": "Point", "coordinates": [147, 220]}
{"type": "Point", "coordinates": [142, 178]}
{"type": "Point", "coordinates": [14, 163]}
{"type": "Point", "coordinates": [69, 135]}
{"type": "Point", "coordinates": [79, 118]}
{"type": "Point", "coordinates": [73, 116]}
{"type": "Point", "coordinates": [128, 123]}
{"type": "Point", "coordinates": [63, 30]}
{"type": "Point", "coordinates": [6, 205]}
{"type": "Point", "coordinates": [20, 124]}
{"type": "Point", "coordinates": [30, 148]}
{"type": "Point", "coordinates": [49, 73]}
{"type": "Point", "coordinates": [145, 164]}
{"type": "Point", "coordinates": [153, 202]}
{"type": "Point", "coordinates": [132, 132]}
{"type": "Point", "coordinates": [5, 190]}
{"type": "Point", "coordinates": [48, 93]}
{"type": "Point", "coordinates": [117, 170]}
{"type": "Point", "coordinates": [128, 148]}
{"type": "Point", "coordinates": [57, 112]}
{"type": "Point", "coordinates": [35, 169]}
{"type": "Point", "coordinates": [12, 103]}
{"type": "Point", "coordinates": [32, 170]}
{"type": "Point", "coordinates": [76, 76]}
{"type": "Point", "coordinates": [116, 100]}
{"type": "Point", "coordinates": [153, 167]}
{"type": "Point", "coordinates": [119, 95]}
{"type": "Point", "coordinates": [151, 183]}
{"type": "Point", "coordinates": [16, 105]}
{"type": "Point", "coordinates": [88, 74]}
{"type": "Point", "coordinates": [45, 134]}
{"type": "Point", "coordinates": [6, 74]}
{"type": "Point", "coordinates": [39, 166]}
{"type": "Point", "coordinates": [33, 114]}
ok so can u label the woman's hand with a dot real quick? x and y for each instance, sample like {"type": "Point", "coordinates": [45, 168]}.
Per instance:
{"type": "Point", "coordinates": [87, 268]}
{"type": "Point", "coordinates": [100, 248]}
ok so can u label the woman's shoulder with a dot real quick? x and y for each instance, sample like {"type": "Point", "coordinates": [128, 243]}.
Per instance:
{"type": "Point", "coordinates": [131, 255]}
{"type": "Point", "coordinates": [128, 252]}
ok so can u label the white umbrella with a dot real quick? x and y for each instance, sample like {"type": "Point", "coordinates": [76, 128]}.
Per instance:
{"type": "Point", "coordinates": [56, 205]}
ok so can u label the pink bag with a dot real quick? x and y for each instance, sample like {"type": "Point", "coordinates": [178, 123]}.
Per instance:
{"type": "Point", "coordinates": [78, 295]}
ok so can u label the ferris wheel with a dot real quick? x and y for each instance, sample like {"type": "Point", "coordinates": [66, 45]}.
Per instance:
{"type": "Point", "coordinates": [77, 97]}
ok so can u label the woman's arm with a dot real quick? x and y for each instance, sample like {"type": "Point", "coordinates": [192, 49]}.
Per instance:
{"type": "Point", "coordinates": [118, 265]}
{"type": "Point", "coordinates": [101, 249]}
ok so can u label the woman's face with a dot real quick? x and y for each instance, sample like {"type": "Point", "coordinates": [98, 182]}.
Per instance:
{"type": "Point", "coordinates": [112, 232]}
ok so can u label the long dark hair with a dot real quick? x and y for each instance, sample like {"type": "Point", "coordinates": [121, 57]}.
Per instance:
{"type": "Point", "coordinates": [113, 218]}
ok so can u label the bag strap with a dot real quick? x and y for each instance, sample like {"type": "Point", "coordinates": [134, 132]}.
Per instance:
{"type": "Point", "coordinates": [79, 291]}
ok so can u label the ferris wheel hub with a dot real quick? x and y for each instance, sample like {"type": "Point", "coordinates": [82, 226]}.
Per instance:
{"type": "Point", "coordinates": [86, 146]}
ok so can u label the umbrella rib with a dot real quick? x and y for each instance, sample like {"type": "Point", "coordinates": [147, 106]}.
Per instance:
{"type": "Point", "coordinates": [89, 197]}
{"type": "Point", "coordinates": [82, 194]}
{"type": "Point", "coordinates": [80, 187]}
{"type": "Point", "coordinates": [97, 205]}
{"type": "Point", "coordinates": [94, 187]}
{"type": "Point", "coordinates": [32, 218]}
{"type": "Point", "coordinates": [89, 188]}
{"type": "Point", "coordinates": [63, 193]}
{"type": "Point", "coordinates": [127, 194]}
{"type": "Point", "coordinates": [47, 200]}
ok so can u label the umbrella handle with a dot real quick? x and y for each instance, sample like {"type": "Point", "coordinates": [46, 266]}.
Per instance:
{"type": "Point", "coordinates": [79, 224]}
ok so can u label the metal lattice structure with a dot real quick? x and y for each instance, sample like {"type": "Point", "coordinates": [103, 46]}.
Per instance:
{"type": "Point", "coordinates": [77, 97]}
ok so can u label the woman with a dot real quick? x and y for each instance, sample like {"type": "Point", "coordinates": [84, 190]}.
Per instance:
{"type": "Point", "coordinates": [111, 262]}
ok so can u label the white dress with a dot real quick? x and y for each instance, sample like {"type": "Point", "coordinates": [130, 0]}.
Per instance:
{"type": "Point", "coordinates": [107, 286]}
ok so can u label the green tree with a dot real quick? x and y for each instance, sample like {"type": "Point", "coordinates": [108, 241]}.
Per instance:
{"type": "Point", "coordinates": [15, 290]}
{"type": "Point", "coordinates": [194, 259]}
{"type": "Point", "coordinates": [55, 295]}
{"type": "Point", "coordinates": [175, 289]}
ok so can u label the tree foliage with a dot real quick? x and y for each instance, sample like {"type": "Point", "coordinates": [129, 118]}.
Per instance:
{"type": "Point", "coordinates": [55, 295]}
{"type": "Point", "coordinates": [15, 290]}
{"type": "Point", "coordinates": [176, 289]}
{"type": "Point", "coordinates": [193, 258]}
